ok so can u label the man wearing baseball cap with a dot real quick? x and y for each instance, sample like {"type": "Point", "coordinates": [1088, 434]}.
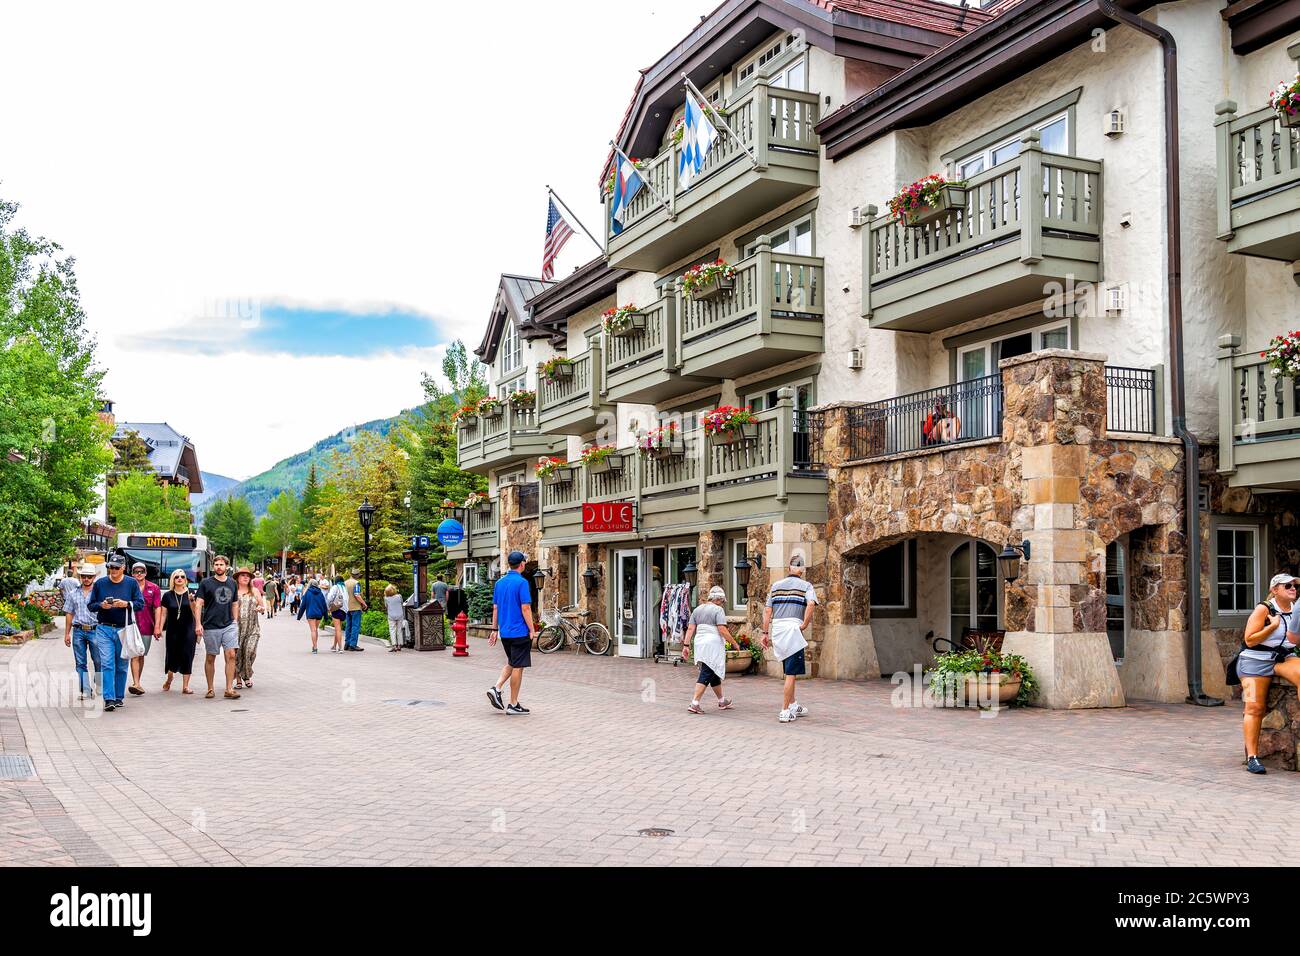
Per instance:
{"type": "Point", "coordinates": [112, 599]}
{"type": "Point", "coordinates": [512, 622]}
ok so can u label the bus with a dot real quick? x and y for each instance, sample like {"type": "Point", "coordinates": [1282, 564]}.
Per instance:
{"type": "Point", "coordinates": [163, 554]}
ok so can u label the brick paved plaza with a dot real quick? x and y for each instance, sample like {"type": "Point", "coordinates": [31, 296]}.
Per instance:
{"type": "Point", "coordinates": [328, 761]}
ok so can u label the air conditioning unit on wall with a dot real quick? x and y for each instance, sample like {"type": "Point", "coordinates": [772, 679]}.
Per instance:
{"type": "Point", "coordinates": [1115, 299]}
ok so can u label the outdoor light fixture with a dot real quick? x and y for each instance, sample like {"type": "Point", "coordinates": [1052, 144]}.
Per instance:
{"type": "Point", "coordinates": [366, 514]}
{"type": "Point", "coordinates": [744, 567]}
{"type": "Point", "coordinates": [540, 576]}
{"type": "Point", "coordinates": [1009, 560]}
{"type": "Point", "coordinates": [591, 579]}
{"type": "Point", "coordinates": [691, 574]}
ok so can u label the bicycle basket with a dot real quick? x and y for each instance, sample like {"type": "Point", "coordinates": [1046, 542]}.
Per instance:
{"type": "Point", "coordinates": [551, 618]}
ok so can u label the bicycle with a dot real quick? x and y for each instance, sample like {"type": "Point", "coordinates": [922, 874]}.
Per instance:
{"type": "Point", "coordinates": [559, 629]}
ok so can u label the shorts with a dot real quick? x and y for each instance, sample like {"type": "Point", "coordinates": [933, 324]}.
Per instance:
{"type": "Point", "coordinates": [216, 640]}
{"type": "Point", "coordinates": [147, 641]}
{"type": "Point", "coordinates": [707, 677]}
{"type": "Point", "coordinates": [519, 651]}
{"type": "Point", "coordinates": [1253, 667]}
{"type": "Point", "coordinates": [339, 615]}
{"type": "Point", "coordinates": [793, 666]}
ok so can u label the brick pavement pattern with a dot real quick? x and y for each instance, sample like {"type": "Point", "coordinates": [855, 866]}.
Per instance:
{"type": "Point", "coordinates": [388, 759]}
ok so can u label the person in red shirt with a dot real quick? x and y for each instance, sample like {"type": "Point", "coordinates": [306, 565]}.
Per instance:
{"type": "Point", "coordinates": [145, 620]}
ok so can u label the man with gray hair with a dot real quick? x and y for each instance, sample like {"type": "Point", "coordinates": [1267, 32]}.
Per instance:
{"type": "Point", "coordinates": [788, 614]}
{"type": "Point", "coordinates": [708, 626]}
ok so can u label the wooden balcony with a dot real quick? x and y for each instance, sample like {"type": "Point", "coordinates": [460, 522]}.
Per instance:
{"type": "Point", "coordinates": [645, 367]}
{"type": "Point", "coordinates": [1027, 223]}
{"type": "Point", "coordinates": [777, 126]}
{"type": "Point", "coordinates": [484, 444]}
{"type": "Point", "coordinates": [1259, 184]}
{"type": "Point", "coordinates": [1259, 421]}
{"type": "Point", "coordinates": [709, 487]}
{"type": "Point", "coordinates": [573, 406]}
{"type": "Point", "coordinates": [482, 533]}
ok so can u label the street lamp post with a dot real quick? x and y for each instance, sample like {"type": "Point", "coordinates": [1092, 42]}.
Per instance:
{"type": "Point", "coordinates": [366, 514]}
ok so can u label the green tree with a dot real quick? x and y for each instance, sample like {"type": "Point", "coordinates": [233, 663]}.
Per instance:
{"type": "Point", "coordinates": [53, 442]}
{"type": "Point", "coordinates": [236, 529]}
{"type": "Point", "coordinates": [277, 532]}
{"type": "Point", "coordinates": [308, 507]}
{"type": "Point", "coordinates": [137, 502]}
{"type": "Point", "coordinates": [131, 456]}
{"type": "Point", "coordinates": [213, 526]}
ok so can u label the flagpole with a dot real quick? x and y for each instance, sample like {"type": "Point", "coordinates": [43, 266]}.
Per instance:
{"type": "Point", "coordinates": [565, 206]}
{"type": "Point", "coordinates": [645, 181]}
{"type": "Point", "coordinates": [722, 123]}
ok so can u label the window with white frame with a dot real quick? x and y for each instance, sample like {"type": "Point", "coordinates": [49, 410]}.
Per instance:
{"type": "Point", "coordinates": [1055, 135]}
{"type": "Point", "coordinates": [981, 359]}
{"type": "Point", "coordinates": [511, 353]}
{"type": "Point", "coordinates": [470, 574]}
{"type": "Point", "coordinates": [768, 52]}
{"type": "Point", "coordinates": [1237, 568]}
{"type": "Point", "coordinates": [795, 239]}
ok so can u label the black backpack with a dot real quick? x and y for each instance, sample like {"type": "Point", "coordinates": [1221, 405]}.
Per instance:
{"type": "Point", "coordinates": [1280, 653]}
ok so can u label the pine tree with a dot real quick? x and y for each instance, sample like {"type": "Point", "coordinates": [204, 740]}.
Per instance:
{"type": "Point", "coordinates": [131, 457]}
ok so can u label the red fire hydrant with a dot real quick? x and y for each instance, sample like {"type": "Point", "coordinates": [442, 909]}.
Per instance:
{"type": "Point", "coordinates": [460, 628]}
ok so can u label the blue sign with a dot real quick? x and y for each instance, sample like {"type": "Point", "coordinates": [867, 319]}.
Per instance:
{"type": "Point", "coordinates": [451, 533]}
{"type": "Point", "coordinates": [420, 541]}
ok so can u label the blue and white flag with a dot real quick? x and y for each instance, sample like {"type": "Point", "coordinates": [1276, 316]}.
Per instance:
{"type": "Point", "coordinates": [698, 138]}
{"type": "Point", "coordinates": [627, 183]}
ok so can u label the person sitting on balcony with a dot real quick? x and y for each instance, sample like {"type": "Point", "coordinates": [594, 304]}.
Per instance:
{"type": "Point", "coordinates": [1268, 649]}
{"type": "Point", "coordinates": [942, 426]}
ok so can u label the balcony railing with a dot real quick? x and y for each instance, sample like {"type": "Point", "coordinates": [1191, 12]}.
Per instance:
{"type": "Point", "coordinates": [1259, 421]}
{"type": "Point", "coordinates": [1259, 184]}
{"type": "Point", "coordinates": [928, 420]}
{"type": "Point", "coordinates": [1133, 400]}
{"type": "Point", "coordinates": [571, 406]}
{"type": "Point", "coordinates": [776, 127]}
{"type": "Point", "coordinates": [1029, 220]}
{"type": "Point", "coordinates": [487, 443]}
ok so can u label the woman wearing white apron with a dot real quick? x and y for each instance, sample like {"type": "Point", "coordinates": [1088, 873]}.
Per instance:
{"type": "Point", "coordinates": [707, 633]}
{"type": "Point", "coordinates": [788, 614]}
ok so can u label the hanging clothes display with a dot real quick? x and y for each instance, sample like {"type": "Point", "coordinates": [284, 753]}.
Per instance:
{"type": "Point", "coordinates": [674, 612]}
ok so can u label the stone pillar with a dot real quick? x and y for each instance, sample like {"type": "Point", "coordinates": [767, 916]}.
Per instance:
{"type": "Point", "coordinates": [1055, 406]}
{"type": "Point", "coordinates": [710, 554]}
{"type": "Point", "coordinates": [592, 556]}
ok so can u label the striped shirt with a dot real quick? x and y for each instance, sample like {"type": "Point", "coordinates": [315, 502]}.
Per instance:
{"type": "Point", "coordinates": [790, 597]}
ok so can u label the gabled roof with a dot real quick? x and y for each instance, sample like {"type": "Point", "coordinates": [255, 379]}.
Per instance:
{"type": "Point", "coordinates": [550, 311]}
{"type": "Point", "coordinates": [169, 451]}
{"type": "Point", "coordinates": [513, 293]}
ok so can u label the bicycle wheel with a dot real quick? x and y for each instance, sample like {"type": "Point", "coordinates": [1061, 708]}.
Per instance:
{"type": "Point", "coordinates": [596, 638]}
{"type": "Point", "coordinates": [551, 639]}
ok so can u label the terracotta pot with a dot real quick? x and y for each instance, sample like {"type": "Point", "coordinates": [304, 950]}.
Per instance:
{"type": "Point", "coordinates": [739, 661]}
{"type": "Point", "coordinates": [991, 690]}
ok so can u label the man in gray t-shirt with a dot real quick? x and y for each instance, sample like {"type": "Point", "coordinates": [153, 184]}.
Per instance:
{"type": "Point", "coordinates": [440, 589]}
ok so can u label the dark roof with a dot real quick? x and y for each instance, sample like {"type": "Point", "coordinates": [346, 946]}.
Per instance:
{"type": "Point", "coordinates": [549, 311]}
{"type": "Point", "coordinates": [169, 451]}
{"type": "Point", "coordinates": [1257, 23]}
{"type": "Point", "coordinates": [1020, 37]}
{"type": "Point", "coordinates": [513, 293]}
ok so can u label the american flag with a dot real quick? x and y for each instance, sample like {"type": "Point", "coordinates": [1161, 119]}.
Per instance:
{"type": "Point", "coordinates": [558, 232]}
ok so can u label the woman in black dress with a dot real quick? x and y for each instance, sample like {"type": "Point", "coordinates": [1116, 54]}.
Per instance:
{"type": "Point", "coordinates": [176, 621]}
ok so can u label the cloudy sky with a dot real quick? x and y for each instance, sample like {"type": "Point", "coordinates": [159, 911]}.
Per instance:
{"type": "Point", "coordinates": [282, 212]}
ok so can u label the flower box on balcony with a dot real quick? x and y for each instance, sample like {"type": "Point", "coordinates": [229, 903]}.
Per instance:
{"type": "Point", "coordinates": [609, 465]}
{"type": "Point", "coordinates": [667, 452]}
{"type": "Point", "coordinates": [1285, 101]}
{"type": "Point", "coordinates": [709, 281]}
{"type": "Point", "coordinates": [947, 200]}
{"type": "Point", "coordinates": [714, 289]}
{"type": "Point", "coordinates": [739, 435]}
{"type": "Point", "coordinates": [927, 200]}
{"type": "Point", "coordinates": [490, 409]}
{"type": "Point", "coordinates": [557, 370]}
{"type": "Point", "coordinates": [624, 322]}
{"type": "Point", "coordinates": [561, 476]}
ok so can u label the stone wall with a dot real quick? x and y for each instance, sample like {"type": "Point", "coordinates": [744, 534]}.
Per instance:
{"type": "Point", "coordinates": [1279, 736]}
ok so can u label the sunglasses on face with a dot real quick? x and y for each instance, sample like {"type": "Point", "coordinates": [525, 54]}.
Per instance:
{"type": "Point", "coordinates": [1289, 587]}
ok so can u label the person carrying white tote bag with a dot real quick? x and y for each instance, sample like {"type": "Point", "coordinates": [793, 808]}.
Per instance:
{"type": "Point", "coordinates": [132, 642]}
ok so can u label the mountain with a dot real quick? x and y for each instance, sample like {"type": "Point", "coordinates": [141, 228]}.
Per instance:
{"type": "Point", "coordinates": [291, 474]}
{"type": "Point", "coordinates": [213, 485]}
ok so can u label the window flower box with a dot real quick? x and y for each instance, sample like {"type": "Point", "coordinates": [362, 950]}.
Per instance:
{"type": "Point", "coordinates": [603, 460]}
{"type": "Point", "coordinates": [624, 322]}
{"type": "Point", "coordinates": [660, 444]}
{"type": "Point", "coordinates": [730, 425]}
{"type": "Point", "coordinates": [554, 471]}
{"type": "Point", "coordinates": [1283, 355]}
{"type": "Point", "coordinates": [709, 281]}
{"type": "Point", "coordinates": [1285, 101]}
{"type": "Point", "coordinates": [523, 400]}
{"type": "Point", "coordinates": [928, 200]}
{"type": "Point", "coordinates": [557, 370]}
{"type": "Point", "coordinates": [491, 408]}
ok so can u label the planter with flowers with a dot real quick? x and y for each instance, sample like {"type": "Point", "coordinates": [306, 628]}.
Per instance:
{"type": "Point", "coordinates": [1285, 101]}
{"type": "Point", "coordinates": [743, 655]}
{"type": "Point", "coordinates": [523, 400]}
{"type": "Point", "coordinates": [450, 506]}
{"type": "Point", "coordinates": [480, 503]}
{"type": "Point", "coordinates": [602, 460]}
{"type": "Point", "coordinates": [554, 471]}
{"type": "Point", "coordinates": [556, 370]}
{"type": "Point", "coordinates": [624, 322]}
{"type": "Point", "coordinates": [709, 281]}
{"type": "Point", "coordinates": [491, 407]}
{"type": "Point", "coordinates": [1283, 355]}
{"type": "Point", "coordinates": [662, 443]}
{"type": "Point", "coordinates": [927, 200]}
{"type": "Point", "coordinates": [715, 114]}
{"type": "Point", "coordinates": [466, 414]}
{"type": "Point", "coordinates": [982, 678]}
{"type": "Point", "coordinates": [730, 425]}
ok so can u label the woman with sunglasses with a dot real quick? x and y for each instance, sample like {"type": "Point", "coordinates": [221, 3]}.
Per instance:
{"type": "Point", "coordinates": [174, 619]}
{"type": "Point", "coordinates": [1269, 649]}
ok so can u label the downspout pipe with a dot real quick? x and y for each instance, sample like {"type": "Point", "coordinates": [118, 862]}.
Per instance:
{"type": "Point", "coordinates": [1177, 366]}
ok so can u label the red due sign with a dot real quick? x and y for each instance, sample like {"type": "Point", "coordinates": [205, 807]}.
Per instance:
{"type": "Point", "coordinates": [608, 518]}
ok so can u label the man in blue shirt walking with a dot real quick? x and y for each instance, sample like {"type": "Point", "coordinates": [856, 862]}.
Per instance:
{"type": "Point", "coordinates": [512, 622]}
{"type": "Point", "coordinates": [114, 600]}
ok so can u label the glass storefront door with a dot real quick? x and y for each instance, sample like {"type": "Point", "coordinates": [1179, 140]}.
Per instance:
{"type": "Point", "coordinates": [629, 611]}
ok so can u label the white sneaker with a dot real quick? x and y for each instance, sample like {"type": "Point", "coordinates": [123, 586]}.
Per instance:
{"type": "Point", "coordinates": [785, 717]}
{"type": "Point", "coordinates": [797, 710]}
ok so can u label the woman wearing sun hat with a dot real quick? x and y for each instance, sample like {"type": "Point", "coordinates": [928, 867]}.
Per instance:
{"type": "Point", "coordinates": [251, 605]}
{"type": "Point", "coordinates": [1268, 650]}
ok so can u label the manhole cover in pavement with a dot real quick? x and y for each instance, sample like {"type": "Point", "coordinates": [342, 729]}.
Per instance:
{"type": "Point", "coordinates": [15, 767]}
{"type": "Point", "coordinates": [654, 832]}
{"type": "Point", "coordinates": [407, 702]}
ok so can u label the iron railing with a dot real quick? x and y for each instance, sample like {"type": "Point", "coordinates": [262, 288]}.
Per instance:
{"type": "Point", "coordinates": [935, 418]}
{"type": "Point", "coordinates": [1131, 396]}
{"type": "Point", "coordinates": [809, 446]}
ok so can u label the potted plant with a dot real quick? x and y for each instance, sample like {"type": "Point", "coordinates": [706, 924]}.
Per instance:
{"type": "Point", "coordinates": [448, 505]}
{"type": "Point", "coordinates": [1285, 101]}
{"type": "Point", "coordinates": [602, 459]}
{"type": "Point", "coordinates": [554, 471]}
{"type": "Point", "coordinates": [981, 677]}
{"type": "Point", "coordinates": [1283, 355]}
{"type": "Point", "coordinates": [558, 369]}
{"type": "Point", "coordinates": [661, 443]}
{"type": "Point", "coordinates": [743, 655]}
{"type": "Point", "coordinates": [729, 425]}
{"type": "Point", "coordinates": [708, 281]}
{"type": "Point", "coordinates": [927, 199]}
{"type": "Point", "coordinates": [624, 321]}
{"type": "Point", "coordinates": [491, 407]}
{"type": "Point", "coordinates": [523, 400]}
{"type": "Point", "coordinates": [465, 414]}
{"type": "Point", "coordinates": [480, 503]}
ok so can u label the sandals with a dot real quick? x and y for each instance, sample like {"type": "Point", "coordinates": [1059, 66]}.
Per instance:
{"type": "Point", "coordinates": [137, 691]}
{"type": "Point", "coordinates": [231, 695]}
{"type": "Point", "coordinates": [167, 685]}
{"type": "Point", "coordinates": [189, 692]}
{"type": "Point", "coordinates": [209, 695]}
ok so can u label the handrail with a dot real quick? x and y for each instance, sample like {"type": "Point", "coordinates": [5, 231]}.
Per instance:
{"type": "Point", "coordinates": [932, 419]}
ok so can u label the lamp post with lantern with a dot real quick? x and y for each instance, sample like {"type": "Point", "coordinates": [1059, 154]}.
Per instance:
{"type": "Point", "coordinates": [366, 515]}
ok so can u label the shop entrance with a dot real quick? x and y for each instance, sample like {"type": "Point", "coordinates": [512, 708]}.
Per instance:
{"type": "Point", "coordinates": [638, 593]}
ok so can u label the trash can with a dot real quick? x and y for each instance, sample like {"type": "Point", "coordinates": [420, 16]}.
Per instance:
{"type": "Point", "coordinates": [430, 628]}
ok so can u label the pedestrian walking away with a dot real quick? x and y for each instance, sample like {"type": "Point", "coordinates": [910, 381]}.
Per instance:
{"type": "Point", "coordinates": [79, 625]}
{"type": "Point", "coordinates": [218, 611]}
{"type": "Point", "coordinates": [314, 607]}
{"type": "Point", "coordinates": [1268, 649]}
{"type": "Point", "coordinates": [440, 589]}
{"type": "Point", "coordinates": [111, 599]}
{"type": "Point", "coordinates": [512, 623]}
{"type": "Point", "coordinates": [707, 635]}
{"type": "Point", "coordinates": [337, 601]}
{"type": "Point", "coordinates": [146, 620]}
{"type": "Point", "coordinates": [356, 607]}
{"type": "Point", "coordinates": [251, 605]}
{"type": "Point", "coordinates": [176, 620]}
{"type": "Point", "coordinates": [786, 617]}
{"type": "Point", "coordinates": [396, 618]}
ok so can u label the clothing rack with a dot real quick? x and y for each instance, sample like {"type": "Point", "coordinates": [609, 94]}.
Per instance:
{"type": "Point", "coordinates": [663, 651]}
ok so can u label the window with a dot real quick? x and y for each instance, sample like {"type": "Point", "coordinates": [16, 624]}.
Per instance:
{"type": "Point", "coordinates": [803, 398]}
{"type": "Point", "coordinates": [767, 53]}
{"type": "Point", "coordinates": [678, 558]}
{"type": "Point", "coordinates": [891, 579]}
{"type": "Point", "coordinates": [977, 361]}
{"type": "Point", "coordinates": [739, 556]}
{"type": "Point", "coordinates": [973, 589]}
{"type": "Point", "coordinates": [511, 357]}
{"type": "Point", "coordinates": [795, 239]}
{"type": "Point", "coordinates": [1055, 139]}
{"type": "Point", "coordinates": [1237, 568]}
{"type": "Point", "coordinates": [1116, 597]}
{"type": "Point", "coordinates": [515, 385]}
{"type": "Point", "coordinates": [470, 574]}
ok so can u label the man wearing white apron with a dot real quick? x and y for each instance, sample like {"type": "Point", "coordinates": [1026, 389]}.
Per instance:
{"type": "Point", "coordinates": [707, 633]}
{"type": "Point", "coordinates": [788, 614]}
